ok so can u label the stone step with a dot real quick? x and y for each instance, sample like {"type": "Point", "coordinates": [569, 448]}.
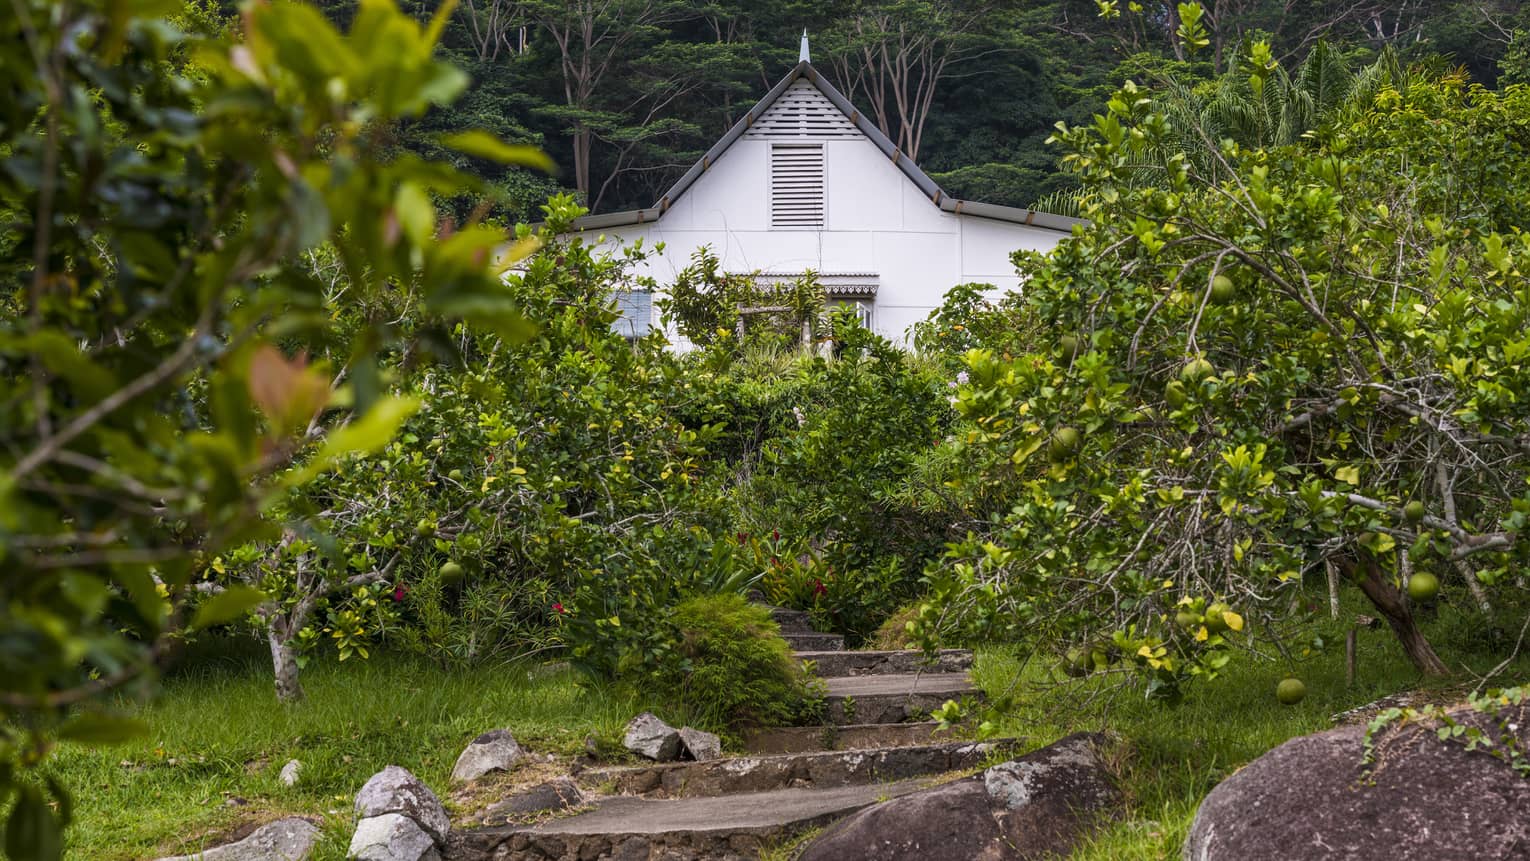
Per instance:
{"type": "Point", "coordinates": [810, 770]}
{"type": "Point", "coordinates": [792, 621]}
{"type": "Point", "coordinates": [902, 662]}
{"type": "Point", "coordinates": [804, 739]}
{"type": "Point", "coordinates": [893, 698]}
{"type": "Point", "coordinates": [722, 828]}
{"type": "Point", "coordinates": [812, 641]}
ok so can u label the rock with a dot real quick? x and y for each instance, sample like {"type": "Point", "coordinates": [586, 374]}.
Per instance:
{"type": "Point", "coordinates": [1424, 798]}
{"type": "Point", "coordinates": [1036, 806]}
{"type": "Point", "coordinates": [290, 772]}
{"type": "Point", "coordinates": [392, 837]}
{"type": "Point", "coordinates": [395, 790]}
{"type": "Point", "coordinates": [553, 796]}
{"type": "Point", "coordinates": [495, 750]}
{"type": "Point", "coordinates": [283, 840]}
{"type": "Point", "coordinates": [648, 736]}
{"type": "Point", "coordinates": [702, 746]}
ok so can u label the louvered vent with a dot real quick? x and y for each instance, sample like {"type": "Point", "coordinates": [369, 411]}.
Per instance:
{"type": "Point", "coordinates": [802, 112]}
{"type": "Point", "coordinates": [796, 185]}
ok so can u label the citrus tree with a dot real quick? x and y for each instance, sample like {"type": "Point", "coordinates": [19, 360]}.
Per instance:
{"type": "Point", "coordinates": [159, 194]}
{"type": "Point", "coordinates": [1310, 365]}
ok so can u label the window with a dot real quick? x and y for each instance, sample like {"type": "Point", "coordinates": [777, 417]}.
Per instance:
{"type": "Point", "coordinates": [636, 310]}
{"type": "Point", "coordinates": [796, 185]}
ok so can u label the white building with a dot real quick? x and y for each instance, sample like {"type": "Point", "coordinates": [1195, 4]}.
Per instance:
{"type": "Point", "coordinates": [805, 182]}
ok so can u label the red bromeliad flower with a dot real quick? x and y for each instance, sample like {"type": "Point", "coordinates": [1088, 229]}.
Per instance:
{"type": "Point", "coordinates": [743, 537]}
{"type": "Point", "coordinates": [399, 591]}
{"type": "Point", "coordinates": [818, 588]}
{"type": "Point", "coordinates": [558, 607]}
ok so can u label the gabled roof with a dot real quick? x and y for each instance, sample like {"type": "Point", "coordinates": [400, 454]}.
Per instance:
{"type": "Point", "coordinates": [804, 69]}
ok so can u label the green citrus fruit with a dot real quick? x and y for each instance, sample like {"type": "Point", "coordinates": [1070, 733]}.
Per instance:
{"type": "Point", "coordinates": [1290, 691]}
{"type": "Point", "coordinates": [1414, 511]}
{"type": "Point", "coordinates": [1077, 663]}
{"type": "Point", "coordinates": [1187, 619]}
{"type": "Point", "coordinates": [451, 573]}
{"type": "Point", "coordinates": [455, 475]}
{"type": "Point", "coordinates": [1174, 394]}
{"type": "Point", "coordinates": [1195, 370]}
{"type": "Point", "coordinates": [1215, 623]}
{"type": "Point", "coordinates": [425, 528]}
{"type": "Point", "coordinates": [1065, 442]}
{"type": "Point", "coordinates": [1423, 587]}
{"type": "Point", "coordinates": [1223, 290]}
{"type": "Point", "coordinates": [1068, 346]}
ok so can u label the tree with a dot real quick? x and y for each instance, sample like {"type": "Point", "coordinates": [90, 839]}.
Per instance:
{"type": "Point", "coordinates": [159, 193]}
{"type": "Point", "coordinates": [1302, 366]}
{"type": "Point", "coordinates": [893, 57]}
{"type": "Point", "coordinates": [593, 39]}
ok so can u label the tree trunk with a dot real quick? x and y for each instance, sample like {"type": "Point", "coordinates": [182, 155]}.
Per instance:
{"type": "Point", "coordinates": [1388, 601]}
{"type": "Point", "coordinates": [284, 660]}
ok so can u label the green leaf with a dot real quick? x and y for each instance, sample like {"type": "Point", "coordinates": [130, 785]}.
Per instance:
{"type": "Point", "coordinates": [31, 832]}
{"type": "Point", "coordinates": [484, 145]}
{"type": "Point", "coordinates": [226, 606]}
{"type": "Point", "coordinates": [363, 435]}
{"type": "Point", "coordinates": [98, 728]}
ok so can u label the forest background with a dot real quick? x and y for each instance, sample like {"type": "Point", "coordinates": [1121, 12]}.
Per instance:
{"type": "Point", "coordinates": [626, 94]}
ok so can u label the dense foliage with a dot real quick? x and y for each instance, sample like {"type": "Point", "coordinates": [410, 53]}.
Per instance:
{"type": "Point", "coordinates": [1305, 363]}
{"type": "Point", "coordinates": [269, 366]}
{"type": "Point", "coordinates": [626, 95]}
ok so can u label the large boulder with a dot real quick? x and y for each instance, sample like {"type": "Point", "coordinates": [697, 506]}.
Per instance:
{"type": "Point", "coordinates": [395, 790]}
{"type": "Point", "coordinates": [1036, 806]}
{"type": "Point", "coordinates": [701, 745]}
{"type": "Point", "coordinates": [392, 837]}
{"type": "Point", "coordinates": [648, 736]}
{"type": "Point", "coordinates": [1313, 797]}
{"type": "Point", "coordinates": [495, 750]}
{"type": "Point", "coordinates": [289, 839]}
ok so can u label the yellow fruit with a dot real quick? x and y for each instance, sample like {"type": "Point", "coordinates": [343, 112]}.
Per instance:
{"type": "Point", "coordinates": [451, 573]}
{"type": "Point", "coordinates": [1414, 511]}
{"type": "Point", "coordinates": [1065, 443]}
{"type": "Point", "coordinates": [1174, 394]}
{"type": "Point", "coordinates": [1423, 587]}
{"type": "Point", "coordinates": [1195, 370]}
{"type": "Point", "coordinates": [1290, 691]}
{"type": "Point", "coordinates": [1223, 290]}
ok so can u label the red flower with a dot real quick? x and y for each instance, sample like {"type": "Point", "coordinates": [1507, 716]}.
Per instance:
{"type": "Point", "coordinates": [398, 592]}
{"type": "Point", "coordinates": [775, 535]}
{"type": "Point", "coordinates": [818, 588]}
{"type": "Point", "coordinates": [558, 607]}
{"type": "Point", "coordinates": [743, 537]}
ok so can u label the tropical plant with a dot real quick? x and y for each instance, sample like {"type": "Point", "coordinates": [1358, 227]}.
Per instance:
{"type": "Point", "coordinates": [159, 191]}
{"type": "Point", "coordinates": [1302, 367]}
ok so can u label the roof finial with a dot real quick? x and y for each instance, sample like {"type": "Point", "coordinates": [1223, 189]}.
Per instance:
{"type": "Point", "coordinates": [803, 56]}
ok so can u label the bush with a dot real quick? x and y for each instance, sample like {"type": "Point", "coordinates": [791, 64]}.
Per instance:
{"type": "Point", "coordinates": [731, 668]}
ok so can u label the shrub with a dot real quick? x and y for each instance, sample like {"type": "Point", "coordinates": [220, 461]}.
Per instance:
{"type": "Point", "coordinates": [731, 667]}
{"type": "Point", "coordinates": [894, 633]}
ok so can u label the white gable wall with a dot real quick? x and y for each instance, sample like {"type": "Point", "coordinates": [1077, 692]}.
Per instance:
{"type": "Point", "coordinates": [876, 220]}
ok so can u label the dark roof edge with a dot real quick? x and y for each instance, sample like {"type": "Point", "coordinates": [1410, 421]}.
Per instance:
{"type": "Point", "coordinates": [931, 190]}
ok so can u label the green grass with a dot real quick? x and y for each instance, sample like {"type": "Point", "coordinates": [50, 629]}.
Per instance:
{"type": "Point", "coordinates": [217, 733]}
{"type": "Point", "coordinates": [1174, 755]}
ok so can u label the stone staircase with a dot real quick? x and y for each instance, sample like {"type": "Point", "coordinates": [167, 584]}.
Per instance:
{"type": "Point", "coordinates": [874, 746]}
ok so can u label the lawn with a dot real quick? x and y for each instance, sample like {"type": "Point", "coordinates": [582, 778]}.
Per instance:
{"type": "Point", "coordinates": [1174, 755]}
{"type": "Point", "coordinates": [218, 738]}
{"type": "Point", "coordinates": [218, 741]}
